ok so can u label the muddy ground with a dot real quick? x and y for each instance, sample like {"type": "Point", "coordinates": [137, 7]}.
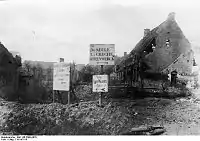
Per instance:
{"type": "Point", "coordinates": [179, 116]}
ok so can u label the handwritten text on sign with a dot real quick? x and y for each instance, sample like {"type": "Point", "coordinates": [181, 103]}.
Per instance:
{"type": "Point", "coordinates": [102, 54]}
{"type": "Point", "coordinates": [61, 76]}
{"type": "Point", "coordinates": [100, 83]}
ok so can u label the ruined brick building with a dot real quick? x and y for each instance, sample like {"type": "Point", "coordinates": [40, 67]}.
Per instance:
{"type": "Point", "coordinates": [9, 80]}
{"type": "Point", "coordinates": [161, 50]}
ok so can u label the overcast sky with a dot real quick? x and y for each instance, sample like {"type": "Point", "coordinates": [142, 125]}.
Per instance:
{"type": "Point", "coordinates": [48, 29]}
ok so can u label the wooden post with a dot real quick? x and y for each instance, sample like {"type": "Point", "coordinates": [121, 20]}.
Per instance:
{"type": "Point", "coordinates": [100, 94]}
{"type": "Point", "coordinates": [69, 97]}
{"type": "Point", "coordinates": [101, 69]}
{"type": "Point", "coordinates": [53, 97]}
{"type": "Point", "coordinates": [70, 84]}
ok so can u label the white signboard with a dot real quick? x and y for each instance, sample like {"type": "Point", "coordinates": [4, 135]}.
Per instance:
{"type": "Point", "coordinates": [61, 76]}
{"type": "Point", "coordinates": [102, 54]}
{"type": "Point", "coordinates": [100, 83]}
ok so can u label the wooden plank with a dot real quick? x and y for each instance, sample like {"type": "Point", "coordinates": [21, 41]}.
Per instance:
{"type": "Point", "coordinates": [146, 131]}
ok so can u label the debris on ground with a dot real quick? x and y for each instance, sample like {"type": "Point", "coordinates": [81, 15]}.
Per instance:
{"type": "Point", "coordinates": [87, 118]}
{"type": "Point", "coordinates": [151, 130]}
{"type": "Point", "coordinates": [116, 117]}
{"type": "Point", "coordinates": [84, 93]}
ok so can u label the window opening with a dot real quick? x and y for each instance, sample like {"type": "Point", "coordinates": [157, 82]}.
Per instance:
{"type": "Point", "coordinates": [151, 47]}
{"type": "Point", "coordinates": [167, 42]}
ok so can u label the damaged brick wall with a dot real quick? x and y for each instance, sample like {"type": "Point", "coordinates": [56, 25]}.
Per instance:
{"type": "Point", "coordinates": [170, 44]}
{"type": "Point", "coordinates": [183, 65]}
{"type": "Point", "coordinates": [8, 74]}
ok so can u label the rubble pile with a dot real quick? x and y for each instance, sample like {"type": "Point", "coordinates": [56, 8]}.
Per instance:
{"type": "Point", "coordinates": [116, 117]}
{"type": "Point", "coordinates": [164, 89]}
{"type": "Point", "coordinates": [84, 93]}
{"type": "Point", "coordinates": [57, 119]}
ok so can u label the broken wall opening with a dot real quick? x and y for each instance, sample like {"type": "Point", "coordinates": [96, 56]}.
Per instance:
{"type": "Point", "coordinates": [151, 46]}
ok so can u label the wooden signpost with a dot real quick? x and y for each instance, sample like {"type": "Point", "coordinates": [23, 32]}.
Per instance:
{"type": "Point", "coordinates": [100, 85]}
{"type": "Point", "coordinates": [101, 54]}
{"type": "Point", "coordinates": [61, 78]}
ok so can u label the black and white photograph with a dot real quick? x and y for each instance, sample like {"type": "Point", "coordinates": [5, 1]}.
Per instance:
{"type": "Point", "coordinates": [99, 67]}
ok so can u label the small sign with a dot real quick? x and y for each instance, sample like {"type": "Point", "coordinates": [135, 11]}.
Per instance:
{"type": "Point", "coordinates": [102, 54]}
{"type": "Point", "coordinates": [100, 83]}
{"type": "Point", "coordinates": [61, 76]}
